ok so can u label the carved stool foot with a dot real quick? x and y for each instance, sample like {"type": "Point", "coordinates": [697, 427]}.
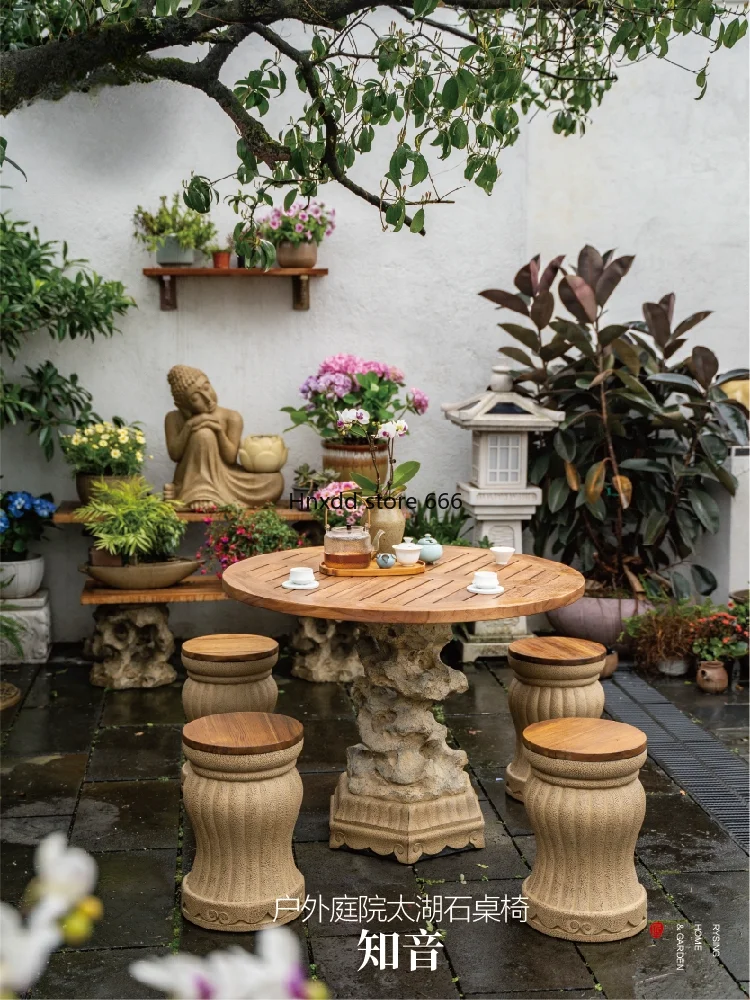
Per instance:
{"type": "Point", "coordinates": [325, 650]}
{"type": "Point", "coordinates": [229, 673]}
{"type": "Point", "coordinates": [242, 792]}
{"type": "Point", "coordinates": [586, 806]}
{"type": "Point", "coordinates": [133, 643]}
{"type": "Point", "coordinates": [553, 678]}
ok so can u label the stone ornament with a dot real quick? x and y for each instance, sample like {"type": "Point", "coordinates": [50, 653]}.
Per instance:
{"type": "Point", "coordinates": [243, 808]}
{"type": "Point", "coordinates": [263, 453]}
{"type": "Point", "coordinates": [405, 791]}
{"type": "Point", "coordinates": [33, 615]}
{"type": "Point", "coordinates": [203, 438]}
{"type": "Point", "coordinates": [586, 815]}
{"type": "Point", "coordinates": [133, 644]}
{"type": "Point", "coordinates": [562, 686]}
{"type": "Point", "coordinates": [229, 673]}
{"type": "Point", "coordinates": [325, 650]}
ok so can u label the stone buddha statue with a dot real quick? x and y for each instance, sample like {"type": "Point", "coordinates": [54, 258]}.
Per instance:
{"type": "Point", "coordinates": [203, 438]}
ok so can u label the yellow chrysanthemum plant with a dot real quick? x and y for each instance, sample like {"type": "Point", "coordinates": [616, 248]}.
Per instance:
{"type": "Point", "coordinates": [106, 448]}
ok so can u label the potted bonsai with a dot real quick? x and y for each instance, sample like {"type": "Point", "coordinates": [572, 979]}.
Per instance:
{"type": "Point", "coordinates": [625, 477]}
{"type": "Point", "coordinates": [346, 384]}
{"type": "Point", "coordinates": [23, 520]}
{"type": "Point", "coordinates": [662, 637]}
{"type": "Point", "coordinates": [103, 452]}
{"type": "Point", "coordinates": [128, 521]}
{"type": "Point", "coordinates": [233, 534]}
{"type": "Point", "coordinates": [718, 637]}
{"type": "Point", "coordinates": [173, 232]}
{"type": "Point", "coordinates": [296, 232]}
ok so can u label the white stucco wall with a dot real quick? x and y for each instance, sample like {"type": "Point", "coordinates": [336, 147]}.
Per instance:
{"type": "Point", "coordinates": [658, 175]}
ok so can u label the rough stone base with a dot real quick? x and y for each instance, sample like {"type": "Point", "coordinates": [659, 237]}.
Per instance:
{"type": "Point", "coordinates": [406, 829]}
{"type": "Point", "coordinates": [33, 613]}
{"type": "Point", "coordinates": [133, 643]}
{"type": "Point", "coordinates": [325, 650]}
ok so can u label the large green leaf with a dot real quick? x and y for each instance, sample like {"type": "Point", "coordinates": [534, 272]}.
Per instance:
{"type": "Point", "coordinates": [627, 353]}
{"type": "Point", "coordinates": [506, 300]}
{"type": "Point", "coordinates": [517, 355]}
{"type": "Point", "coordinates": [734, 419]}
{"type": "Point", "coordinates": [365, 484]}
{"type": "Point", "coordinates": [706, 509]}
{"type": "Point", "coordinates": [680, 586]}
{"type": "Point", "coordinates": [565, 445]}
{"type": "Point", "coordinates": [683, 382]}
{"type": "Point", "coordinates": [703, 579]}
{"type": "Point", "coordinates": [404, 472]}
{"type": "Point", "coordinates": [557, 495]}
{"type": "Point", "coordinates": [654, 526]}
{"type": "Point", "coordinates": [643, 465]}
{"type": "Point", "coordinates": [529, 338]}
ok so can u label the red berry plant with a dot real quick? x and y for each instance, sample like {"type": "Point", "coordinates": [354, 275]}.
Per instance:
{"type": "Point", "coordinates": [233, 534]}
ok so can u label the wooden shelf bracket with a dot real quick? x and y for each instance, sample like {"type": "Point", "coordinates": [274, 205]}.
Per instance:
{"type": "Point", "coordinates": [167, 278]}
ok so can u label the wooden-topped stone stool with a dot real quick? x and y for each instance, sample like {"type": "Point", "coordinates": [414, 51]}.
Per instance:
{"type": "Point", "coordinates": [242, 792]}
{"type": "Point", "coordinates": [553, 677]}
{"type": "Point", "coordinates": [229, 673]}
{"type": "Point", "coordinates": [586, 806]}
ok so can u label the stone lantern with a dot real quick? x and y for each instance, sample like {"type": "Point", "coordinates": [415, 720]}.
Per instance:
{"type": "Point", "coordinates": [498, 494]}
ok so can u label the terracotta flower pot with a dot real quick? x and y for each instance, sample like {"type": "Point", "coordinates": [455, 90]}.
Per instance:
{"type": "Point", "coordinates": [22, 577]}
{"type": "Point", "coordinates": [221, 258]}
{"type": "Point", "coordinates": [84, 482]}
{"type": "Point", "coordinates": [143, 576]}
{"type": "Point", "coordinates": [301, 255]}
{"type": "Point", "coordinates": [345, 459]}
{"type": "Point", "coordinates": [596, 618]}
{"type": "Point", "coordinates": [712, 676]}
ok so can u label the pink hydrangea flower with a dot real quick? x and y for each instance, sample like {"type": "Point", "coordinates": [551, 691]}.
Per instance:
{"type": "Point", "coordinates": [298, 227]}
{"type": "Point", "coordinates": [418, 400]}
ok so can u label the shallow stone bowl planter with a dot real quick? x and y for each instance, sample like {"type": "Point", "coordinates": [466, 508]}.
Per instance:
{"type": "Point", "coordinates": [143, 576]}
{"type": "Point", "coordinates": [22, 577]}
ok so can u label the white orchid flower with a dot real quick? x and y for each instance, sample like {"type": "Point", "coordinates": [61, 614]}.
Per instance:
{"type": "Point", "coordinates": [65, 875]}
{"type": "Point", "coordinates": [24, 949]}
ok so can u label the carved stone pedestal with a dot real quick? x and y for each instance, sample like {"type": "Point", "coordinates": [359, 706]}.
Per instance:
{"type": "Point", "coordinates": [133, 643]}
{"type": "Point", "coordinates": [325, 650]}
{"type": "Point", "coordinates": [586, 816]}
{"type": "Point", "coordinates": [33, 614]}
{"type": "Point", "coordinates": [549, 690]}
{"type": "Point", "coordinates": [405, 791]}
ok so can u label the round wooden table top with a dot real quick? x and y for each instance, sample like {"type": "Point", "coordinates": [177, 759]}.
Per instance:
{"type": "Point", "coordinates": [584, 739]}
{"type": "Point", "coordinates": [439, 595]}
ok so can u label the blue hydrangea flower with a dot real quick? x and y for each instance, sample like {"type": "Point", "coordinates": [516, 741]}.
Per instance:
{"type": "Point", "coordinates": [17, 503]}
{"type": "Point", "coordinates": [44, 508]}
{"type": "Point", "coordinates": [4, 522]}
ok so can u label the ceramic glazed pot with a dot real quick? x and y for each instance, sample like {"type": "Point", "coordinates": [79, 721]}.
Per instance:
{"type": "Point", "coordinates": [596, 618]}
{"type": "Point", "coordinates": [345, 459]}
{"type": "Point", "coordinates": [712, 677]}
{"type": "Point", "coordinates": [301, 255]}
{"type": "Point", "coordinates": [22, 577]}
{"type": "Point", "coordinates": [263, 453]}
{"type": "Point", "coordinates": [392, 523]}
{"type": "Point", "coordinates": [144, 576]}
{"type": "Point", "coordinates": [173, 255]}
{"type": "Point", "coordinates": [673, 668]}
{"type": "Point", "coordinates": [84, 482]}
{"type": "Point", "coordinates": [221, 258]}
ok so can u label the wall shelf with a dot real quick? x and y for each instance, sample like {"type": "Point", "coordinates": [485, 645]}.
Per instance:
{"type": "Point", "coordinates": [300, 276]}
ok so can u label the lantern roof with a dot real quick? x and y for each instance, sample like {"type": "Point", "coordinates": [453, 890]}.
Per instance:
{"type": "Point", "coordinates": [499, 408]}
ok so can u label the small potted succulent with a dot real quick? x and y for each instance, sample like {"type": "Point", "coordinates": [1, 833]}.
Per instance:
{"type": "Point", "coordinates": [128, 521]}
{"type": "Point", "coordinates": [221, 254]}
{"type": "Point", "coordinates": [173, 232]}
{"type": "Point", "coordinates": [23, 520]}
{"type": "Point", "coordinates": [233, 534]}
{"type": "Point", "coordinates": [307, 481]}
{"type": "Point", "coordinates": [662, 636]}
{"type": "Point", "coordinates": [718, 637]}
{"type": "Point", "coordinates": [103, 451]}
{"type": "Point", "coordinates": [297, 231]}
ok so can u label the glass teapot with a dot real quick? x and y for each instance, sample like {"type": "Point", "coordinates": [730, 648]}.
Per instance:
{"type": "Point", "coordinates": [349, 547]}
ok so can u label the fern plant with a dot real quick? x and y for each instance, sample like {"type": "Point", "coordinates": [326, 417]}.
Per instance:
{"type": "Point", "coordinates": [128, 520]}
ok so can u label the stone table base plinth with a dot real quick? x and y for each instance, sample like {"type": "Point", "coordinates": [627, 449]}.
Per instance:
{"type": "Point", "coordinates": [133, 643]}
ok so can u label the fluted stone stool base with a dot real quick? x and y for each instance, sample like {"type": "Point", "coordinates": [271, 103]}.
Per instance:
{"type": "Point", "coordinates": [557, 685]}
{"type": "Point", "coordinates": [229, 673]}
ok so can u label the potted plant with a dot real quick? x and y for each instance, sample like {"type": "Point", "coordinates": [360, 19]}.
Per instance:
{"type": "Point", "coordinates": [221, 254]}
{"type": "Point", "coordinates": [307, 481]}
{"type": "Point", "coordinates": [23, 520]}
{"type": "Point", "coordinates": [738, 605]}
{"type": "Point", "coordinates": [345, 383]}
{"type": "Point", "coordinates": [129, 521]}
{"type": "Point", "coordinates": [233, 534]}
{"type": "Point", "coordinates": [103, 452]}
{"type": "Point", "coordinates": [625, 477]}
{"type": "Point", "coordinates": [173, 232]}
{"type": "Point", "coordinates": [718, 637]}
{"type": "Point", "coordinates": [296, 232]}
{"type": "Point", "coordinates": [662, 636]}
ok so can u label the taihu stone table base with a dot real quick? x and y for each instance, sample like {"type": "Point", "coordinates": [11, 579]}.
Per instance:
{"type": "Point", "coordinates": [325, 650]}
{"type": "Point", "coordinates": [229, 673]}
{"type": "Point", "coordinates": [586, 815]}
{"type": "Point", "coordinates": [243, 807]}
{"type": "Point", "coordinates": [553, 678]}
{"type": "Point", "coordinates": [133, 644]}
{"type": "Point", "coordinates": [405, 791]}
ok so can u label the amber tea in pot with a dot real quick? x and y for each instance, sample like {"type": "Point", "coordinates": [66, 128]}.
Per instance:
{"type": "Point", "coordinates": [348, 547]}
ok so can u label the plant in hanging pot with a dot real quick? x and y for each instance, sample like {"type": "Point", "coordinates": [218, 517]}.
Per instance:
{"type": "Point", "coordinates": [23, 520]}
{"type": "Point", "coordinates": [296, 232]}
{"type": "Point", "coordinates": [718, 638]}
{"type": "Point", "coordinates": [104, 452]}
{"type": "Point", "coordinates": [234, 534]}
{"type": "Point", "coordinates": [625, 479]}
{"type": "Point", "coordinates": [662, 637]}
{"type": "Point", "coordinates": [129, 521]}
{"type": "Point", "coordinates": [173, 232]}
{"type": "Point", "coordinates": [344, 383]}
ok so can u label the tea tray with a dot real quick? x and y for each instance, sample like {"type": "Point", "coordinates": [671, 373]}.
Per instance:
{"type": "Point", "coordinates": [374, 570]}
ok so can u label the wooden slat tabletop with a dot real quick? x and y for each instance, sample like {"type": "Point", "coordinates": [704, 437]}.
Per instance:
{"type": "Point", "coordinates": [531, 585]}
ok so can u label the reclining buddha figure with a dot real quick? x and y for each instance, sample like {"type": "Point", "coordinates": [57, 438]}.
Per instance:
{"type": "Point", "coordinates": [203, 439]}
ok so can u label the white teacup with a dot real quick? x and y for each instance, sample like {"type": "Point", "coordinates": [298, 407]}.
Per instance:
{"type": "Point", "coordinates": [485, 580]}
{"type": "Point", "coordinates": [502, 554]}
{"type": "Point", "coordinates": [407, 553]}
{"type": "Point", "coordinates": [301, 575]}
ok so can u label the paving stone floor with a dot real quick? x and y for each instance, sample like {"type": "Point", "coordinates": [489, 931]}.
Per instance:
{"type": "Point", "coordinates": [104, 766]}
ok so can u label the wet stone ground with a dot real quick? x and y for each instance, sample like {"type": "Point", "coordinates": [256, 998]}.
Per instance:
{"type": "Point", "coordinates": [104, 767]}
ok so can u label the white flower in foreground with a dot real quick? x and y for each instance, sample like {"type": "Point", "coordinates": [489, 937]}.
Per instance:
{"type": "Point", "coordinates": [273, 973]}
{"type": "Point", "coordinates": [392, 429]}
{"type": "Point", "coordinates": [65, 875]}
{"type": "Point", "coordinates": [24, 949]}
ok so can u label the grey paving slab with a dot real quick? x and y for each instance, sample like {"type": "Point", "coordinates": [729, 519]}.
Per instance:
{"type": "Point", "coordinates": [95, 975]}
{"type": "Point", "coordinates": [22, 675]}
{"type": "Point", "coordinates": [61, 724]}
{"type": "Point", "coordinates": [489, 740]}
{"type": "Point", "coordinates": [127, 815]}
{"type": "Point", "coordinates": [325, 746]}
{"type": "Point", "coordinates": [19, 839]}
{"type": "Point", "coordinates": [678, 836]}
{"type": "Point", "coordinates": [136, 708]}
{"type": "Point", "coordinates": [537, 995]}
{"type": "Point", "coordinates": [306, 701]}
{"type": "Point", "coordinates": [133, 752]}
{"type": "Point", "coordinates": [512, 813]}
{"type": "Point", "coordinates": [313, 820]}
{"type": "Point", "coordinates": [486, 696]}
{"type": "Point", "coordinates": [46, 785]}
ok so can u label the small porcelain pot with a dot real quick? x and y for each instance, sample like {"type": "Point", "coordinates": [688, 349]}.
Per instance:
{"type": "Point", "coordinates": [712, 677]}
{"type": "Point", "coordinates": [263, 453]}
{"type": "Point", "coordinates": [301, 255]}
{"type": "Point", "coordinates": [502, 554]}
{"type": "Point", "coordinates": [22, 577]}
{"type": "Point", "coordinates": [431, 550]}
{"type": "Point", "coordinates": [673, 668]}
{"type": "Point", "coordinates": [173, 255]}
{"type": "Point", "coordinates": [385, 560]}
{"type": "Point", "coordinates": [407, 553]}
